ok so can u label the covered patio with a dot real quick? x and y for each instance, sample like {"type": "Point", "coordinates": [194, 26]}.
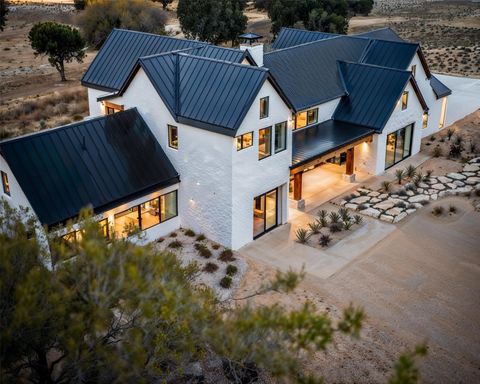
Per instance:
{"type": "Point", "coordinates": [330, 145]}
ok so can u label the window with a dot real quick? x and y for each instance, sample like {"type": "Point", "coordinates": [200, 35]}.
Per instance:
{"type": "Point", "coordinates": [264, 101]}
{"type": "Point", "coordinates": [414, 70]}
{"type": "Point", "coordinates": [5, 183]}
{"type": "Point", "coordinates": [104, 229]}
{"type": "Point", "coordinates": [149, 213]}
{"type": "Point", "coordinates": [111, 108]}
{"type": "Point", "coordinates": [168, 204]}
{"type": "Point", "coordinates": [244, 141]}
{"type": "Point", "coordinates": [127, 222]}
{"type": "Point", "coordinates": [404, 100]}
{"type": "Point", "coordinates": [173, 136]}
{"type": "Point", "coordinates": [280, 137]}
{"type": "Point", "coordinates": [306, 118]}
{"type": "Point", "coordinates": [399, 144]}
{"type": "Point", "coordinates": [443, 113]}
{"type": "Point", "coordinates": [425, 120]}
{"type": "Point", "coordinates": [264, 143]}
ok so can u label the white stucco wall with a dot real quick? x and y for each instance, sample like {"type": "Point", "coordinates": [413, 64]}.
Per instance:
{"type": "Point", "coordinates": [252, 177]}
{"type": "Point", "coordinates": [326, 110]}
{"type": "Point", "coordinates": [94, 107]}
{"type": "Point", "coordinates": [370, 157]}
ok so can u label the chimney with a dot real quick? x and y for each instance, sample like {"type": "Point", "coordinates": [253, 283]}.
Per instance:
{"type": "Point", "coordinates": [255, 50]}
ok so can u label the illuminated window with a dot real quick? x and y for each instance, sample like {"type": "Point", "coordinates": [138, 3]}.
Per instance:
{"type": "Point", "coordinates": [425, 120]}
{"type": "Point", "coordinates": [443, 113]}
{"type": "Point", "coordinates": [173, 136]}
{"type": "Point", "coordinates": [150, 213]}
{"type": "Point", "coordinates": [111, 108]}
{"type": "Point", "coordinates": [104, 229]}
{"type": "Point", "coordinates": [5, 183]}
{"type": "Point", "coordinates": [280, 137]}
{"type": "Point", "coordinates": [264, 142]}
{"type": "Point", "coordinates": [414, 70]}
{"type": "Point", "coordinates": [244, 141]}
{"type": "Point", "coordinates": [306, 118]}
{"type": "Point", "coordinates": [168, 205]}
{"type": "Point", "coordinates": [127, 222]}
{"type": "Point", "coordinates": [264, 101]}
{"type": "Point", "coordinates": [404, 100]}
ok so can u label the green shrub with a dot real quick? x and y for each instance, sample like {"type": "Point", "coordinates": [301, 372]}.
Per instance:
{"type": "Point", "coordinates": [322, 214]}
{"type": "Point", "coordinates": [175, 244]}
{"type": "Point", "coordinates": [226, 282]}
{"type": "Point", "coordinates": [226, 256]}
{"type": "Point", "coordinates": [160, 240]}
{"type": "Point", "coordinates": [344, 214]}
{"type": "Point", "coordinates": [231, 270]}
{"type": "Point", "coordinates": [452, 209]}
{"type": "Point", "coordinates": [315, 227]}
{"type": "Point", "coordinates": [215, 246]}
{"type": "Point", "coordinates": [386, 186]}
{"type": "Point", "coordinates": [399, 175]}
{"type": "Point", "coordinates": [450, 133]}
{"type": "Point", "coordinates": [201, 237]}
{"type": "Point", "coordinates": [335, 227]}
{"type": "Point", "coordinates": [210, 267]}
{"type": "Point", "coordinates": [302, 235]}
{"type": "Point", "coordinates": [325, 240]}
{"type": "Point", "coordinates": [438, 210]}
{"type": "Point", "coordinates": [203, 250]}
{"type": "Point", "coordinates": [189, 233]}
{"type": "Point", "coordinates": [410, 171]}
{"type": "Point", "coordinates": [437, 151]}
{"type": "Point", "coordinates": [173, 234]}
{"type": "Point", "coordinates": [334, 217]}
{"type": "Point", "coordinates": [347, 225]}
{"type": "Point", "coordinates": [358, 219]}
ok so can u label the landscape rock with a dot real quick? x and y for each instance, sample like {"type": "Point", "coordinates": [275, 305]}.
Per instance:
{"type": "Point", "coordinates": [418, 198]}
{"type": "Point", "coordinates": [439, 187]}
{"type": "Point", "coordinates": [383, 196]}
{"type": "Point", "coordinates": [423, 185]}
{"type": "Point", "coordinates": [444, 180]}
{"type": "Point", "coordinates": [452, 185]}
{"type": "Point", "coordinates": [374, 194]}
{"type": "Point", "coordinates": [351, 206]}
{"type": "Point", "coordinates": [360, 200]}
{"type": "Point", "coordinates": [456, 176]}
{"type": "Point", "coordinates": [411, 210]}
{"type": "Point", "coordinates": [400, 217]}
{"type": "Point", "coordinates": [371, 212]}
{"type": "Point", "coordinates": [394, 211]}
{"type": "Point", "coordinates": [473, 180]}
{"type": "Point", "coordinates": [387, 218]}
{"type": "Point", "coordinates": [410, 193]}
{"type": "Point", "coordinates": [375, 200]}
{"type": "Point", "coordinates": [466, 189]}
{"type": "Point", "coordinates": [434, 196]}
{"type": "Point", "coordinates": [363, 190]}
{"type": "Point", "coordinates": [458, 183]}
{"type": "Point", "coordinates": [475, 160]}
{"type": "Point", "coordinates": [471, 168]}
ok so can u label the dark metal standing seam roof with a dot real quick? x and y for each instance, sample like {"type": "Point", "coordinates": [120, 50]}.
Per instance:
{"type": "Point", "coordinates": [308, 73]}
{"type": "Point", "coordinates": [440, 89]}
{"type": "Point", "coordinates": [119, 54]}
{"type": "Point", "coordinates": [382, 34]}
{"type": "Point", "coordinates": [389, 54]}
{"type": "Point", "coordinates": [289, 37]}
{"type": "Point", "coordinates": [316, 141]}
{"type": "Point", "coordinates": [373, 93]}
{"type": "Point", "coordinates": [102, 163]}
{"type": "Point", "coordinates": [206, 93]}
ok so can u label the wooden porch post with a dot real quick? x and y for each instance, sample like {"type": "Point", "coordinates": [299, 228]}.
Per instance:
{"type": "Point", "coordinates": [297, 186]}
{"type": "Point", "coordinates": [350, 161]}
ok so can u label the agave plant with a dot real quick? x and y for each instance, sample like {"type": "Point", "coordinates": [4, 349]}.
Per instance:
{"type": "Point", "coordinates": [386, 186]}
{"type": "Point", "coordinates": [323, 222]}
{"type": "Point", "coordinates": [410, 171]}
{"type": "Point", "coordinates": [335, 227]}
{"type": "Point", "coordinates": [358, 219]}
{"type": "Point", "coordinates": [344, 214]}
{"type": "Point", "coordinates": [322, 214]}
{"type": "Point", "coordinates": [347, 225]}
{"type": "Point", "coordinates": [334, 217]}
{"type": "Point", "coordinates": [302, 235]}
{"type": "Point", "coordinates": [315, 227]}
{"type": "Point", "coordinates": [325, 240]}
{"type": "Point", "coordinates": [399, 175]}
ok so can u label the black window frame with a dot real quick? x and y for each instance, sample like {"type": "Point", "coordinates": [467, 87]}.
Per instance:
{"type": "Point", "coordinates": [307, 112]}
{"type": "Point", "coordinates": [271, 137]}
{"type": "Point", "coordinates": [169, 128]}
{"type": "Point", "coordinates": [242, 147]}
{"type": "Point", "coordinates": [308, 116]}
{"type": "Point", "coordinates": [5, 183]}
{"type": "Point", "coordinates": [267, 107]}
{"type": "Point", "coordinates": [412, 131]}
{"type": "Point", "coordinates": [285, 130]}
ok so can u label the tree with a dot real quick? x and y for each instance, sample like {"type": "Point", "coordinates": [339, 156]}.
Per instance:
{"type": "Point", "coordinates": [80, 4]}
{"type": "Point", "coordinates": [214, 21]}
{"type": "Point", "coordinates": [61, 43]}
{"type": "Point", "coordinates": [3, 13]}
{"type": "Point", "coordinates": [102, 16]}
{"type": "Point", "coordinates": [164, 3]}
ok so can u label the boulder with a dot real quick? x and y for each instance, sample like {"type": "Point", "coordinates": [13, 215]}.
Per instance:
{"type": "Point", "coordinates": [360, 200]}
{"type": "Point", "coordinates": [456, 176]}
{"type": "Point", "coordinates": [371, 212]}
{"type": "Point", "coordinates": [343, 202]}
{"type": "Point", "coordinates": [438, 186]}
{"type": "Point", "coordinates": [418, 198]}
{"type": "Point", "coordinates": [472, 180]}
{"type": "Point", "coordinates": [387, 218]}
{"type": "Point", "coordinates": [444, 180]}
{"type": "Point", "coordinates": [401, 216]}
{"type": "Point", "coordinates": [384, 205]}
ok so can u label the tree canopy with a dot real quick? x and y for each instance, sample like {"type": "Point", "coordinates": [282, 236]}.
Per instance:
{"type": "Point", "coordinates": [214, 21]}
{"type": "Point", "coordinates": [315, 15]}
{"type": "Point", "coordinates": [61, 43]}
{"type": "Point", "coordinates": [100, 17]}
{"type": "Point", "coordinates": [3, 13]}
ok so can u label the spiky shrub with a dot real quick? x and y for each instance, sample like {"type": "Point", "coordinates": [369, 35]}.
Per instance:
{"type": "Point", "coordinates": [175, 244]}
{"type": "Point", "coordinates": [203, 250]}
{"type": "Point", "coordinates": [473, 147]}
{"type": "Point", "coordinates": [322, 214]}
{"type": "Point", "coordinates": [302, 235]}
{"type": "Point", "coordinates": [363, 193]}
{"type": "Point", "coordinates": [347, 225]}
{"type": "Point", "coordinates": [455, 150]}
{"type": "Point", "coordinates": [189, 233]}
{"type": "Point", "coordinates": [325, 240]}
{"type": "Point", "coordinates": [334, 217]}
{"type": "Point", "coordinates": [419, 178]}
{"type": "Point", "coordinates": [335, 227]}
{"type": "Point", "coordinates": [231, 270]}
{"type": "Point", "coordinates": [438, 210]}
{"type": "Point", "coordinates": [344, 214]}
{"type": "Point", "coordinates": [386, 186]}
{"type": "Point", "coordinates": [226, 282]}
{"type": "Point", "coordinates": [399, 175]}
{"type": "Point", "coordinates": [459, 139]}
{"type": "Point", "coordinates": [315, 227]}
{"type": "Point", "coordinates": [173, 234]}
{"type": "Point", "coordinates": [410, 171]}
{"type": "Point", "coordinates": [226, 256]}
{"type": "Point", "coordinates": [450, 133]}
{"type": "Point", "coordinates": [210, 267]}
{"type": "Point", "coordinates": [358, 219]}
{"type": "Point", "coordinates": [323, 222]}
{"type": "Point", "coordinates": [201, 237]}
{"type": "Point", "coordinates": [437, 151]}
{"type": "Point", "coordinates": [429, 174]}
{"type": "Point", "coordinates": [452, 209]}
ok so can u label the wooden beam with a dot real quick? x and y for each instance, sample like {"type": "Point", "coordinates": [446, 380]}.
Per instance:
{"type": "Point", "coordinates": [297, 186]}
{"type": "Point", "coordinates": [350, 161]}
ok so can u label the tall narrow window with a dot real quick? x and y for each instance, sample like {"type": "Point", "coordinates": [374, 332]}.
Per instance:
{"type": "Point", "coordinates": [150, 213]}
{"type": "Point", "coordinates": [173, 136]}
{"type": "Point", "coordinates": [312, 116]}
{"type": "Point", "coordinates": [168, 206]}
{"type": "Point", "coordinates": [443, 113]}
{"type": "Point", "coordinates": [425, 120]}
{"type": "Point", "coordinates": [244, 141]}
{"type": "Point", "coordinates": [414, 70]}
{"type": "Point", "coordinates": [404, 100]}
{"type": "Point", "coordinates": [280, 137]}
{"type": "Point", "coordinates": [264, 101]}
{"type": "Point", "coordinates": [5, 183]}
{"type": "Point", "coordinates": [264, 142]}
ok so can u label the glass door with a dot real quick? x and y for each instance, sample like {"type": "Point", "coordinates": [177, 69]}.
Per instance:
{"type": "Point", "coordinates": [265, 212]}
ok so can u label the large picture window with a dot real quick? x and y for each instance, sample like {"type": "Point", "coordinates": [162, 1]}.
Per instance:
{"type": "Point", "coordinates": [399, 144]}
{"type": "Point", "coordinates": [127, 222]}
{"type": "Point", "coordinates": [280, 137]}
{"type": "Point", "coordinates": [264, 142]}
{"type": "Point", "coordinates": [306, 118]}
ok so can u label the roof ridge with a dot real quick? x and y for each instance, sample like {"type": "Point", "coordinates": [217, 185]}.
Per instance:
{"type": "Point", "coordinates": [65, 126]}
{"type": "Point", "coordinates": [305, 44]}
{"type": "Point", "coordinates": [252, 67]}
{"type": "Point", "coordinates": [158, 35]}
{"type": "Point", "coordinates": [375, 66]}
